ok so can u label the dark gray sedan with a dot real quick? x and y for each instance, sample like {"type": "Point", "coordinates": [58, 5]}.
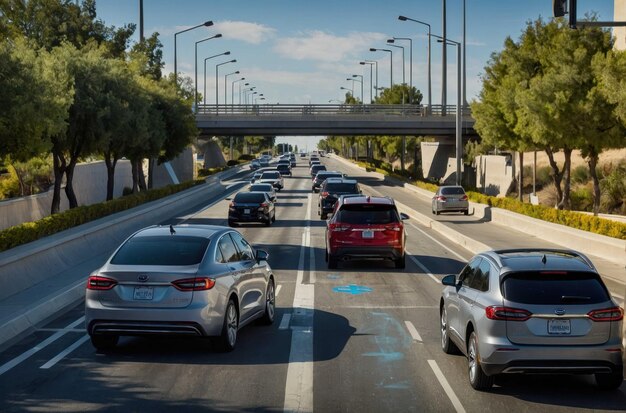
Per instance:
{"type": "Point", "coordinates": [450, 199]}
{"type": "Point", "coordinates": [188, 280]}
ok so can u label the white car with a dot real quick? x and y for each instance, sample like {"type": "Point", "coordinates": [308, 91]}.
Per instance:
{"type": "Point", "coordinates": [272, 177]}
{"type": "Point", "coordinates": [267, 188]}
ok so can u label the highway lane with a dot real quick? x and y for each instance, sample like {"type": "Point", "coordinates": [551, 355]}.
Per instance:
{"type": "Point", "coordinates": [374, 350]}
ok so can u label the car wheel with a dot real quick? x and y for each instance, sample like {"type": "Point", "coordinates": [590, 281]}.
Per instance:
{"type": "Point", "coordinates": [466, 212]}
{"type": "Point", "coordinates": [433, 211]}
{"type": "Point", "coordinates": [610, 381]}
{"type": "Point", "coordinates": [104, 343]}
{"type": "Point", "coordinates": [228, 338]}
{"type": "Point", "coordinates": [323, 215]}
{"type": "Point", "coordinates": [270, 304]}
{"type": "Point", "coordinates": [274, 217]}
{"type": "Point", "coordinates": [477, 377]}
{"type": "Point", "coordinates": [268, 221]}
{"type": "Point", "coordinates": [325, 254]}
{"type": "Point", "coordinates": [400, 262]}
{"type": "Point", "coordinates": [332, 261]}
{"type": "Point", "coordinates": [231, 223]}
{"type": "Point", "coordinates": [437, 212]}
{"type": "Point", "coordinates": [447, 345]}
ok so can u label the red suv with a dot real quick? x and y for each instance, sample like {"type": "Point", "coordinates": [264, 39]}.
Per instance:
{"type": "Point", "coordinates": [364, 227]}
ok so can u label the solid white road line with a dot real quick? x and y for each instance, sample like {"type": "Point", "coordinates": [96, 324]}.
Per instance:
{"type": "Point", "coordinates": [446, 387]}
{"type": "Point", "coordinates": [456, 254]}
{"type": "Point", "coordinates": [278, 290]}
{"type": "Point", "coordinates": [299, 383]}
{"type": "Point", "coordinates": [423, 267]}
{"type": "Point", "coordinates": [413, 331]}
{"type": "Point", "coordinates": [17, 360]}
{"type": "Point", "coordinates": [65, 352]}
{"type": "Point", "coordinates": [284, 323]}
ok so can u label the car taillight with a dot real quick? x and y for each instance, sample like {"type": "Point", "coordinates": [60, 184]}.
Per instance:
{"type": "Point", "coordinates": [607, 314]}
{"type": "Point", "coordinates": [464, 198]}
{"type": "Point", "coordinates": [264, 205]}
{"type": "Point", "coordinates": [232, 206]}
{"type": "Point", "coordinates": [324, 194]}
{"type": "Point", "coordinates": [97, 282]}
{"type": "Point", "coordinates": [441, 198]}
{"type": "Point", "coordinates": [194, 284]}
{"type": "Point", "coordinates": [338, 227]}
{"type": "Point", "coordinates": [396, 228]}
{"type": "Point", "coordinates": [507, 313]}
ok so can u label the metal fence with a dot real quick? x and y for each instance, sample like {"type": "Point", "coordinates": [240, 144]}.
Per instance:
{"type": "Point", "coordinates": [328, 110]}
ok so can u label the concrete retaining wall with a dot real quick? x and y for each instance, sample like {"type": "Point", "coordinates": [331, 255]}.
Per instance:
{"type": "Point", "coordinates": [435, 158]}
{"type": "Point", "coordinates": [494, 174]}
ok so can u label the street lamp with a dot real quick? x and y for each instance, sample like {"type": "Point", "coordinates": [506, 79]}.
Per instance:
{"type": "Point", "coordinates": [392, 40]}
{"type": "Point", "coordinates": [232, 90]}
{"type": "Point", "coordinates": [205, 24]}
{"type": "Point", "coordinates": [210, 57]}
{"type": "Point", "coordinates": [245, 84]}
{"type": "Point", "coordinates": [390, 43]}
{"type": "Point", "coordinates": [459, 106]}
{"type": "Point", "coordinates": [226, 87]}
{"type": "Point", "coordinates": [260, 97]}
{"type": "Point", "coordinates": [352, 80]}
{"type": "Point", "coordinates": [217, 67]}
{"type": "Point", "coordinates": [195, 64]}
{"type": "Point", "coordinates": [372, 49]}
{"type": "Point", "coordinates": [361, 76]}
{"type": "Point", "coordinates": [371, 63]}
{"type": "Point", "coordinates": [404, 18]}
{"type": "Point", "coordinates": [351, 91]}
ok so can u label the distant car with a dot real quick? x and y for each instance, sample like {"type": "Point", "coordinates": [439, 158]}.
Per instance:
{"type": "Point", "coordinates": [366, 227]}
{"type": "Point", "coordinates": [331, 190]}
{"type": "Point", "coordinates": [255, 164]}
{"type": "Point", "coordinates": [251, 207]}
{"type": "Point", "coordinates": [302, 155]}
{"type": "Point", "coordinates": [532, 311]}
{"type": "Point", "coordinates": [315, 169]}
{"type": "Point", "coordinates": [313, 159]}
{"type": "Point", "coordinates": [264, 161]}
{"type": "Point", "coordinates": [450, 199]}
{"type": "Point", "coordinates": [272, 177]}
{"type": "Point", "coordinates": [267, 188]}
{"type": "Point", "coordinates": [284, 169]}
{"type": "Point", "coordinates": [259, 172]}
{"type": "Point", "coordinates": [321, 176]}
{"type": "Point", "coordinates": [187, 280]}
{"type": "Point", "coordinates": [292, 159]}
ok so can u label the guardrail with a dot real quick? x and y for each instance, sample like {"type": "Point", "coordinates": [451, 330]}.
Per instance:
{"type": "Point", "coordinates": [329, 110]}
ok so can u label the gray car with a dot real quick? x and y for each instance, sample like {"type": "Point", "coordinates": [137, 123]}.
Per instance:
{"type": "Point", "coordinates": [187, 280]}
{"type": "Point", "coordinates": [267, 188]}
{"type": "Point", "coordinates": [532, 311]}
{"type": "Point", "coordinates": [450, 199]}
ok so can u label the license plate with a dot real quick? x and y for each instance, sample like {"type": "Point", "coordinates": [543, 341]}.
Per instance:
{"type": "Point", "coordinates": [143, 293]}
{"type": "Point", "coordinates": [559, 326]}
{"type": "Point", "coordinates": [246, 211]}
{"type": "Point", "coordinates": [368, 234]}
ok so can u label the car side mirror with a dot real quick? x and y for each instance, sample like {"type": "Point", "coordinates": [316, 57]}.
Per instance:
{"type": "Point", "coordinates": [228, 199]}
{"type": "Point", "coordinates": [449, 280]}
{"type": "Point", "coordinates": [261, 255]}
{"type": "Point", "coordinates": [403, 216]}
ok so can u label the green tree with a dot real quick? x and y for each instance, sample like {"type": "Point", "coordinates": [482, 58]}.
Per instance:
{"type": "Point", "coordinates": [399, 94]}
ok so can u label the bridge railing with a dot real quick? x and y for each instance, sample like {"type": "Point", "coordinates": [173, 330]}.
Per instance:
{"type": "Point", "coordinates": [327, 110]}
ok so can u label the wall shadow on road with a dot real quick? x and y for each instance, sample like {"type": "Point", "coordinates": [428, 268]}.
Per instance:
{"type": "Point", "coordinates": [436, 265]}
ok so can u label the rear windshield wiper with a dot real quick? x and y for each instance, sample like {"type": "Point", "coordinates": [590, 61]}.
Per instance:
{"type": "Point", "coordinates": [574, 298]}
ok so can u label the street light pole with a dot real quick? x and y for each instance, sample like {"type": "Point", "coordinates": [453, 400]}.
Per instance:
{"type": "Point", "coordinates": [390, 59]}
{"type": "Point", "coordinates": [210, 57]}
{"type": "Point", "coordinates": [195, 63]}
{"type": "Point", "coordinates": [226, 87]}
{"type": "Point", "coordinates": [217, 67]}
{"type": "Point", "coordinates": [361, 76]}
{"type": "Point", "coordinates": [459, 108]}
{"type": "Point", "coordinates": [353, 80]}
{"type": "Point", "coordinates": [464, 64]}
{"type": "Point", "coordinates": [245, 84]}
{"type": "Point", "coordinates": [404, 18]}
{"type": "Point", "coordinates": [232, 90]}
{"type": "Point", "coordinates": [410, 60]}
{"type": "Point", "coordinates": [371, 65]}
{"type": "Point", "coordinates": [390, 41]}
{"type": "Point", "coordinates": [444, 62]}
{"type": "Point", "coordinates": [206, 24]}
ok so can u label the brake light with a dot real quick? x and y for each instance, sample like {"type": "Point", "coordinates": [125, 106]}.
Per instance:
{"type": "Point", "coordinates": [464, 198]}
{"type": "Point", "coordinates": [441, 198]}
{"type": "Point", "coordinates": [607, 314]}
{"type": "Point", "coordinates": [338, 227]}
{"type": "Point", "coordinates": [194, 284]}
{"type": "Point", "coordinates": [97, 282]}
{"type": "Point", "coordinates": [324, 194]}
{"type": "Point", "coordinates": [507, 313]}
{"type": "Point", "coordinates": [393, 228]}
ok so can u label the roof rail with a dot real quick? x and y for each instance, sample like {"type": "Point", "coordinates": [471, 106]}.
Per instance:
{"type": "Point", "coordinates": [571, 253]}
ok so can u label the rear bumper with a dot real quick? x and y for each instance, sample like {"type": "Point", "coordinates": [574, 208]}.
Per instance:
{"type": "Point", "coordinates": [367, 252]}
{"type": "Point", "coordinates": [260, 217]}
{"type": "Point", "coordinates": [457, 207]}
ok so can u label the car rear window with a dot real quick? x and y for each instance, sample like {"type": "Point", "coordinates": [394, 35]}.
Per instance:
{"type": "Point", "coordinates": [318, 168]}
{"type": "Point", "coordinates": [322, 176]}
{"type": "Point", "coordinates": [283, 166]}
{"type": "Point", "coordinates": [250, 197]}
{"type": "Point", "coordinates": [270, 175]}
{"type": "Point", "coordinates": [554, 288]}
{"type": "Point", "coordinates": [261, 188]}
{"type": "Point", "coordinates": [161, 250]}
{"type": "Point", "coordinates": [367, 214]}
{"type": "Point", "coordinates": [339, 187]}
{"type": "Point", "coordinates": [455, 190]}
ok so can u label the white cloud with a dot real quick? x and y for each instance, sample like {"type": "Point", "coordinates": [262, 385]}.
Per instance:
{"type": "Point", "coordinates": [254, 33]}
{"type": "Point", "coordinates": [326, 47]}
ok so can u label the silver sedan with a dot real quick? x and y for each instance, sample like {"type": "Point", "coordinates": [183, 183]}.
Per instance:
{"type": "Point", "coordinates": [187, 280]}
{"type": "Point", "coordinates": [450, 199]}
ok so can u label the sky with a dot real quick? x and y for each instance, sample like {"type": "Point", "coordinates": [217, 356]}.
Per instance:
{"type": "Point", "coordinates": [303, 51]}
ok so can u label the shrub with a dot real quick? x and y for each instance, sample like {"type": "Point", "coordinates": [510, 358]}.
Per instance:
{"type": "Point", "coordinates": [32, 231]}
{"type": "Point", "coordinates": [204, 172]}
{"type": "Point", "coordinates": [581, 198]}
{"type": "Point", "coordinates": [246, 157]}
{"type": "Point", "coordinates": [544, 175]}
{"type": "Point", "coordinates": [580, 174]}
{"type": "Point", "coordinates": [127, 191]}
{"type": "Point", "coordinates": [232, 162]}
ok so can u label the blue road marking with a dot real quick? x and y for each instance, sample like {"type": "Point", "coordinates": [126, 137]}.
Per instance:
{"type": "Point", "coordinates": [333, 276]}
{"type": "Point", "coordinates": [352, 289]}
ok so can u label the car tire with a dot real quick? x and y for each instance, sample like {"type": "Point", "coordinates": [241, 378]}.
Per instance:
{"type": "Point", "coordinates": [400, 263]}
{"type": "Point", "coordinates": [231, 223]}
{"type": "Point", "coordinates": [323, 216]}
{"type": "Point", "coordinates": [332, 262]}
{"type": "Point", "coordinates": [228, 338]}
{"type": "Point", "coordinates": [447, 345]}
{"type": "Point", "coordinates": [433, 211]}
{"type": "Point", "coordinates": [477, 377]}
{"type": "Point", "coordinates": [270, 304]}
{"type": "Point", "coordinates": [274, 217]}
{"type": "Point", "coordinates": [437, 212]}
{"type": "Point", "coordinates": [609, 381]}
{"type": "Point", "coordinates": [466, 212]}
{"type": "Point", "coordinates": [268, 221]}
{"type": "Point", "coordinates": [104, 343]}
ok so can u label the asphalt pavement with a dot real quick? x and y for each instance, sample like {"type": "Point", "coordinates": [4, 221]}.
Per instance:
{"type": "Point", "coordinates": [363, 337]}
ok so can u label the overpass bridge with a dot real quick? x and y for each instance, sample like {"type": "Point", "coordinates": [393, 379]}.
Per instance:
{"type": "Point", "coordinates": [331, 119]}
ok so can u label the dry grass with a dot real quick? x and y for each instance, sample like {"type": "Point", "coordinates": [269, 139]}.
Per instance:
{"type": "Point", "coordinates": [610, 156]}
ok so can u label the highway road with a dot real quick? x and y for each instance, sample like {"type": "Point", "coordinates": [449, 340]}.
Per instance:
{"type": "Point", "coordinates": [362, 338]}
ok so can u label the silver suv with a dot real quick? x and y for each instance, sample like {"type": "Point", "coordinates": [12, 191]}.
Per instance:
{"type": "Point", "coordinates": [532, 311]}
